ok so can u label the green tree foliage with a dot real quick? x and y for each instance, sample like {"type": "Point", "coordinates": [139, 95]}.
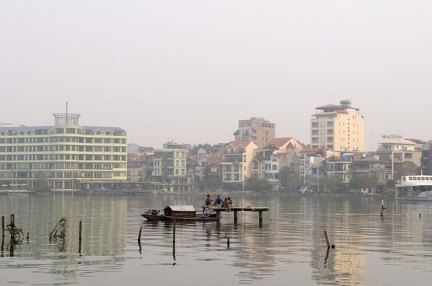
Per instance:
{"type": "Point", "coordinates": [208, 186]}
{"type": "Point", "coordinates": [405, 169]}
{"type": "Point", "coordinates": [390, 184]}
{"type": "Point", "coordinates": [288, 180]}
{"type": "Point", "coordinates": [196, 148]}
{"type": "Point", "coordinates": [363, 182]}
{"type": "Point", "coordinates": [313, 182]}
{"type": "Point", "coordinates": [334, 184]}
{"type": "Point", "coordinates": [41, 184]}
{"type": "Point", "coordinates": [259, 185]}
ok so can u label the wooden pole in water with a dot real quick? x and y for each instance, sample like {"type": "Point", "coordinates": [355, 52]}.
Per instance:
{"type": "Point", "coordinates": [3, 226]}
{"type": "Point", "coordinates": [12, 225]}
{"type": "Point", "coordinates": [139, 239]}
{"type": "Point", "coordinates": [80, 235]}
{"type": "Point", "coordinates": [12, 247]}
{"type": "Point", "coordinates": [139, 235]}
{"type": "Point", "coordinates": [174, 231]}
{"type": "Point", "coordinates": [326, 237]}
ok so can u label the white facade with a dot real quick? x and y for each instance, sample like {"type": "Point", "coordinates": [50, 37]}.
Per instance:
{"type": "Point", "coordinates": [236, 166]}
{"type": "Point", "coordinates": [338, 128]}
{"type": "Point", "coordinates": [65, 156]}
{"type": "Point", "coordinates": [169, 168]}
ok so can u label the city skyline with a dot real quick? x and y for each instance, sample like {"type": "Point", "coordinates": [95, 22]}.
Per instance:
{"type": "Point", "coordinates": [190, 71]}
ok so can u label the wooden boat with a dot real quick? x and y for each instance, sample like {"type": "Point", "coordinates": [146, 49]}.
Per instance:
{"type": "Point", "coordinates": [414, 187]}
{"type": "Point", "coordinates": [18, 192]}
{"type": "Point", "coordinates": [180, 213]}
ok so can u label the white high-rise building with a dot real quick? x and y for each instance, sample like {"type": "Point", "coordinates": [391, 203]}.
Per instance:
{"type": "Point", "coordinates": [338, 128]}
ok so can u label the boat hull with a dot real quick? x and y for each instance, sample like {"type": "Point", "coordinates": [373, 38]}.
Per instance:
{"type": "Point", "coordinates": [151, 217]}
{"type": "Point", "coordinates": [203, 217]}
{"type": "Point", "coordinates": [421, 199]}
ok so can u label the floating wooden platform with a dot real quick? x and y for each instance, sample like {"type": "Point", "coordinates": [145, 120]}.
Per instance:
{"type": "Point", "coordinates": [235, 210]}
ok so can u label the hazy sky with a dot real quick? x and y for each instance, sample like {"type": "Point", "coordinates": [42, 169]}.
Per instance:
{"type": "Point", "coordinates": [189, 70]}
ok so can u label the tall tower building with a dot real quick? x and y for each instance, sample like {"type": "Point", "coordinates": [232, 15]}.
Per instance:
{"type": "Point", "coordinates": [338, 128]}
{"type": "Point", "coordinates": [255, 129]}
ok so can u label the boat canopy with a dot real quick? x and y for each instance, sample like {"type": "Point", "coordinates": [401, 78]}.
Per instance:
{"type": "Point", "coordinates": [183, 210]}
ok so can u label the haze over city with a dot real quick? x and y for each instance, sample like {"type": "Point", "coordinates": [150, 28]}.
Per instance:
{"type": "Point", "coordinates": [190, 70]}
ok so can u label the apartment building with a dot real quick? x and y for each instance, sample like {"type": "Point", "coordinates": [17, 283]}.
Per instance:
{"type": "Point", "coordinates": [169, 168]}
{"type": "Point", "coordinates": [310, 165]}
{"type": "Point", "coordinates": [394, 151]}
{"type": "Point", "coordinates": [256, 129]}
{"type": "Point", "coordinates": [278, 154]}
{"type": "Point", "coordinates": [236, 164]}
{"type": "Point", "coordinates": [65, 156]}
{"type": "Point", "coordinates": [338, 128]}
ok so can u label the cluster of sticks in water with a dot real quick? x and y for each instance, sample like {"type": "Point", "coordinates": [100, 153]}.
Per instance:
{"type": "Point", "coordinates": [59, 230]}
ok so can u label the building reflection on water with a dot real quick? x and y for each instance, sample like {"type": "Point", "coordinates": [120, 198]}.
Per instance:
{"type": "Point", "coordinates": [289, 241]}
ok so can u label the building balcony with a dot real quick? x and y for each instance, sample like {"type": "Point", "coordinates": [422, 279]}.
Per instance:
{"type": "Point", "coordinates": [234, 157]}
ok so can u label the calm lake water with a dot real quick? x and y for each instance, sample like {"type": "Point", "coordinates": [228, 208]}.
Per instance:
{"type": "Point", "coordinates": [287, 248]}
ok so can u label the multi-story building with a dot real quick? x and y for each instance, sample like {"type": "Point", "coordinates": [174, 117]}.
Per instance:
{"type": "Point", "coordinates": [370, 166]}
{"type": "Point", "coordinates": [394, 152]}
{"type": "Point", "coordinates": [140, 164]}
{"type": "Point", "coordinates": [255, 129]}
{"type": "Point", "coordinates": [310, 166]}
{"type": "Point", "coordinates": [338, 128]}
{"type": "Point", "coordinates": [212, 172]}
{"type": "Point", "coordinates": [169, 168]}
{"type": "Point", "coordinates": [340, 167]}
{"type": "Point", "coordinates": [278, 154]}
{"type": "Point", "coordinates": [426, 161]}
{"type": "Point", "coordinates": [236, 165]}
{"type": "Point", "coordinates": [66, 156]}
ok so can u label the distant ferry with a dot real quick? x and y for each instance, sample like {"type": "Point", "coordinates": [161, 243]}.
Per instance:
{"type": "Point", "coordinates": [414, 187]}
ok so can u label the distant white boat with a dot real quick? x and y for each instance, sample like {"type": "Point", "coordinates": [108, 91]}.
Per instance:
{"type": "Point", "coordinates": [414, 187]}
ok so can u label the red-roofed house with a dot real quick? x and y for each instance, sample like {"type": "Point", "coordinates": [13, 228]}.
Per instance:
{"type": "Point", "coordinates": [280, 154]}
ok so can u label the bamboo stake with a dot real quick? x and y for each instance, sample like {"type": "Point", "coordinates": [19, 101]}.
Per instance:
{"type": "Point", "coordinates": [139, 235]}
{"type": "Point", "coordinates": [326, 237]}
{"type": "Point", "coordinates": [80, 235]}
